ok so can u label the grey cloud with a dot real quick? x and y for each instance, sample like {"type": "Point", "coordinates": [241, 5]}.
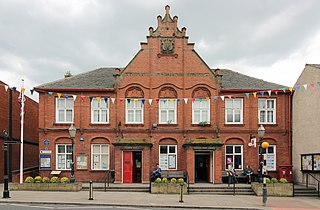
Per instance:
{"type": "Point", "coordinates": [51, 37]}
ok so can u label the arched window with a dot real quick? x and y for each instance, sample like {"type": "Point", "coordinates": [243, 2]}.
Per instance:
{"type": "Point", "coordinates": [100, 154]}
{"type": "Point", "coordinates": [167, 106]}
{"type": "Point", "coordinates": [168, 154]}
{"type": "Point", "coordinates": [234, 154]}
{"type": "Point", "coordinates": [134, 105]}
{"type": "Point", "coordinates": [201, 106]}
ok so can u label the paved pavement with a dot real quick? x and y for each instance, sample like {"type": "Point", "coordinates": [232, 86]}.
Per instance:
{"type": "Point", "coordinates": [142, 199]}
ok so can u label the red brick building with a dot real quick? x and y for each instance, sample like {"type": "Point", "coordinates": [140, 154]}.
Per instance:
{"type": "Point", "coordinates": [166, 106]}
{"type": "Point", "coordinates": [10, 121]}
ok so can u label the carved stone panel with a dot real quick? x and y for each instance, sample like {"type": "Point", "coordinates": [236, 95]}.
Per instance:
{"type": "Point", "coordinates": [168, 92]}
{"type": "Point", "coordinates": [167, 46]}
{"type": "Point", "coordinates": [134, 92]}
{"type": "Point", "coordinates": [201, 92]}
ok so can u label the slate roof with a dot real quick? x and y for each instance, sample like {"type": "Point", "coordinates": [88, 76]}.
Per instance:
{"type": "Point", "coordinates": [236, 80]}
{"type": "Point", "coordinates": [96, 79]}
{"type": "Point", "coordinates": [103, 78]}
{"type": "Point", "coordinates": [314, 65]}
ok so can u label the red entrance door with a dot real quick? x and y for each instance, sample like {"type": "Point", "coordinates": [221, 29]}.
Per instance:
{"type": "Point", "coordinates": [127, 167]}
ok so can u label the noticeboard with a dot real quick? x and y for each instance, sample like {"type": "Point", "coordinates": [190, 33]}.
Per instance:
{"type": "Point", "coordinates": [82, 161]}
{"type": "Point", "coordinates": [45, 159]}
{"type": "Point", "coordinates": [310, 162]}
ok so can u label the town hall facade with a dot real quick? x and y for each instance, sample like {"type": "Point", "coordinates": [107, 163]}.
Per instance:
{"type": "Point", "coordinates": [166, 106]}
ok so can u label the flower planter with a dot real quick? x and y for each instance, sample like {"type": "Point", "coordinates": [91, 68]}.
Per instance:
{"type": "Point", "coordinates": [274, 189]}
{"type": "Point", "coordinates": [72, 187]}
{"type": "Point", "coordinates": [167, 188]}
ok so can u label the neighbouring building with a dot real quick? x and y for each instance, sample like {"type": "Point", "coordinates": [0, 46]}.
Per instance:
{"type": "Point", "coordinates": [10, 121]}
{"type": "Point", "coordinates": [166, 106]}
{"type": "Point", "coordinates": [305, 125]}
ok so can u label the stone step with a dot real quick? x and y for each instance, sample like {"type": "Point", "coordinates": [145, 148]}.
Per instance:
{"type": "Point", "coordinates": [224, 193]}
{"type": "Point", "coordinates": [220, 190]}
{"type": "Point", "coordinates": [306, 192]}
{"type": "Point", "coordinates": [220, 187]}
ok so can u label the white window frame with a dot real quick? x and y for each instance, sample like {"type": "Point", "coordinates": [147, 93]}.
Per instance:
{"type": "Point", "coordinates": [233, 155]}
{"type": "Point", "coordinates": [233, 111]}
{"type": "Point", "coordinates": [168, 109]}
{"type": "Point", "coordinates": [201, 109]}
{"type": "Point", "coordinates": [268, 157]}
{"type": "Point", "coordinates": [100, 110]}
{"type": "Point", "coordinates": [135, 109]}
{"type": "Point", "coordinates": [266, 110]}
{"type": "Point", "coordinates": [166, 158]}
{"type": "Point", "coordinates": [64, 156]}
{"type": "Point", "coordinates": [65, 109]}
{"type": "Point", "coordinates": [99, 155]}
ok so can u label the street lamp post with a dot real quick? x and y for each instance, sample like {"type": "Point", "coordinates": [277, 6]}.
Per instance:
{"type": "Point", "coordinates": [72, 133]}
{"type": "Point", "coordinates": [261, 132]}
{"type": "Point", "coordinates": [6, 175]}
{"type": "Point", "coordinates": [262, 179]}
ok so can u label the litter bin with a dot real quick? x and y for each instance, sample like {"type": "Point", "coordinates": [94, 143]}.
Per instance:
{"type": "Point", "coordinates": [285, 172]}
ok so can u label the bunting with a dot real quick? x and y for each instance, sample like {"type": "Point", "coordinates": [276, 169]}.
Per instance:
{"type": "Point", "coordinates": [171, 100]}
{"type": "Point", "coordinates": [269, 92]}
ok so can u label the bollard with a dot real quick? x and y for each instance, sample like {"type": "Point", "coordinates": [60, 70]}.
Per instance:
{"type": "Point", "coordinates": [264, 192]}
{"type": "Point", "coordinates": [181, 193]}
{"type": "Point", "coordinates": [91, 191]}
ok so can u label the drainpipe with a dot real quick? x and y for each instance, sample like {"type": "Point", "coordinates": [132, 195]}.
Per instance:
{"type": "Point", "coordinates": [10, 135]}
{"type": "Point", "coordinates": [290, 125]}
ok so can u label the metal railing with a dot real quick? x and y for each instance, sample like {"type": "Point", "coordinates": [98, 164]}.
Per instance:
{"type": "Point", "coordinates": [107, 178]}
{"type": "Point", "coordinates": [317, 180]}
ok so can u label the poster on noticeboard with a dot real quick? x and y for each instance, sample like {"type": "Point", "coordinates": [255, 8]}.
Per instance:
{"type": "Point", "coordinates": [310, 162]}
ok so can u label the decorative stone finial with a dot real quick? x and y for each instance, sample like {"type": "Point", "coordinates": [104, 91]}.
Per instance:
{"type": "Point", "coordinates": [167, 10]}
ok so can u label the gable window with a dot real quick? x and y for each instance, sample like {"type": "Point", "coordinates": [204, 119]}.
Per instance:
{"type": "Point", "coordinates": [267, 111]}
{"type": "Point", "coordinates": [168, 157]}
{"type": "Point", "coordinates": [200, 111]}
{"type": "Point", "coordinates": [64, 110]}
{"type": "Point", "coordinates": [168, 111]}
{"type": "Point", "coordinates": [234, 154]}
{"type": "Point", "coordinates": [234, 111]}
{"type": "Point", "coordinates": [64, 156]}
{"type": "Point", "coordinates": [99, 111]}
{"type": "Point", "coordinates": [269, 157]}
{"type": "Point", "coordinates": [134, 111]}
{"type": "Point", "coordinates": [99, 156]}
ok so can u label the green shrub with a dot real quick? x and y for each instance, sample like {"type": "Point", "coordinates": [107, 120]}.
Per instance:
{"type": "Point", "coordinates": [64, 180]}
{"type": "Point", "coordinates": [158, 180]}
{"type": "Point", "coordinates": [274, 180]}
{"type": "Point", "coordinates": [283, 180]}
{"type": "Point", "coordinates": [165, 180]}
{"type": "Point", "coordinates": [173, 180]}
{"type": "Point", "coordinates": [180, 180]}
{"type": "Point", "coordinates": [268, 180]}
{"type": "Point", "coordinates": [29, 179]}
{"type": "Point", "coordinates": [54, 179]}
{"type": "Point", "coordinates": [38, 179]}
{"type": "Point", "coordinates": [45, 179]}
